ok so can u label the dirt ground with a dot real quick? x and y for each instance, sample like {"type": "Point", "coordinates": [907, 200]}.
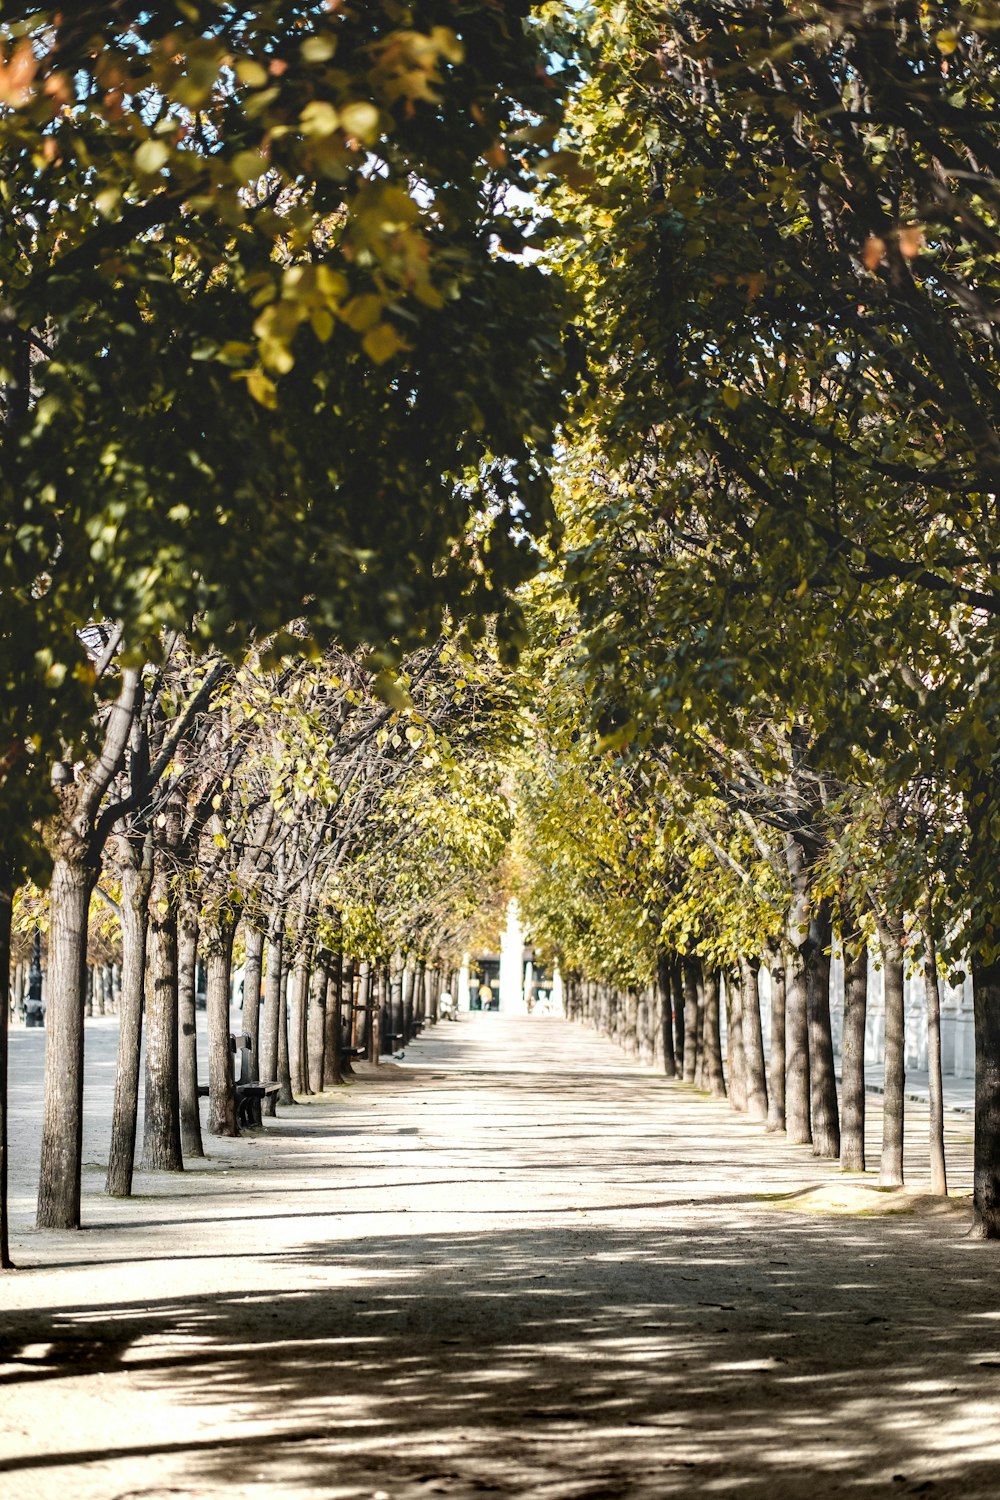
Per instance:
{"type": "Point", "coordinates": [520, 1267]}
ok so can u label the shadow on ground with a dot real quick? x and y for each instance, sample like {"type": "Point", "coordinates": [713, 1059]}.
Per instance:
{"type": "Point", "coordinates": [791, 1359]}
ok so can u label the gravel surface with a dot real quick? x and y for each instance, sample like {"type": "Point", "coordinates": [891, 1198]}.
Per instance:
{"type": "Point", "coordinates": [517, 1265]}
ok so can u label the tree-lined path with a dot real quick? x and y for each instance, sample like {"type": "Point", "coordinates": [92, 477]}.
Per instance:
{"type": "Point", "coordinates": [517, 1265]}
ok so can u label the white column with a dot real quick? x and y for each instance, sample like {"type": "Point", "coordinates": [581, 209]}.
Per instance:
{"type": "Point", "coordinates": [512, 964]}
{"type": "Point", "coordinates": [463, 983]}
{"type": "Point", "coordinates": [557, 1003]}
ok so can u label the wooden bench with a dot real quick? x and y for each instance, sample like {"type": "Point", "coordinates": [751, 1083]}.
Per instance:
{"type": "Point", "coordinates": [248, 1092]}
{"type": "Point", "coordinates": [248, 1089]}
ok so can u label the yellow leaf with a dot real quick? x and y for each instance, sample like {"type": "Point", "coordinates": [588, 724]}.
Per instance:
{"type": "Point", "coordinates": [360, 119]}
{"type": "Point", "coordinates": [448, 44]}
{"type": "Point", "coordinates": [151, 156]}
{"type": "Point", "coordinates": [322, 323]}
{"type": "Point", "coordinates": [319, 118]}
{"type": "Point", "coordinates": [248, 166]}
{"type": "Point", "coordinates": [251, 73]}
{"type": "Point", "coordinates": [262, 389]}
{"type": "Point", "coordinates": [382, 342]}
{"type": "Point", "coordinates": [363, 312]}
{"type": "Point", "coordinates": [318, 49]}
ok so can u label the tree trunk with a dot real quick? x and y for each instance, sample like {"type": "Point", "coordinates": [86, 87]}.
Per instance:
{"type": "Point", "coordinates": [737, 1049]}
{"type": "Point", "coordinates": [823, 1077]}
{"type": "Point", "coordinates": [374, 1020]}
{"type": "Point", "coordinates": [753, 1040]}
{"type": "Point", "coordinates": [689, 970]}
{"type": "Point", "coordinates": [384, 1009]}
{"type": "Point", "coordinates": [352, 1020]}
{"type": "Point", "coordinates": [366, 997]}
{"type": "Point", "coordinates": [62, 1120]}
{"type": "Point", "coordinates": [221, 1084]}
{"type": "Point", "coordinates": [136, 877]}
{"type": "Point", "coordinates": [286, 1094]}
{"type": "Point", "coordinates": [852, 1139]}
{"type": "Point", "coordinates": [677, 993]}
{"type": "Point", "coordinates": [400, 979]}
{"type": "Point", "coordinates": [253, 942]}
{"type": "Point", "coordinates": [713, 1076]}
{"type": "Point", "coordinates": [6, 911]}
{"type": "Point", "coordinates": [341, 977]}
{"type": "Point", "coordinates": [161, 1135]}
{"type": "Point", "coordinates": [272, 1013]}
{"type": "Point", "coordinates": [890, 931]}
{"type": "Point", "coordinates": [298, 999]}
{"type": "Point", "coordinates": [666, 1018]}
{"type": "Point", "coordinates": [932, 997]}
{"type": "Point", "coordinates": [986, 1152]}
{"type": "Point", "coordinates": [316, 1021]}
{"type": "Point", "coordinates": [776, 1093]}
{"type": "Point", "coordinates": [798, 1120]}
{"type": "Point", "coordinates": [187, 1016]}
{"type": "Point", "coordinates": [411, 999]}
{"type": "Point", "coordinates": [798, 1081]}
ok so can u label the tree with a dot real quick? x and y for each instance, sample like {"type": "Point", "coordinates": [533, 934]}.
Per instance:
{"type": "Point", "coordinates": [247, 251]}
{"type": "Point", "coordinates": [789, 272]}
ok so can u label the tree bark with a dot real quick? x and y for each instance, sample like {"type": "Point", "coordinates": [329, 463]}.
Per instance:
{"type": "Point", "coordinates": [776, 1093]}
{"type": "Point", "coordinates": [737, 1050]}
{"type": "Point", "coordinates": [319, 981]}
{"type": "Point", "coordinates": [890, 931]}
{"type": "Point", "coordinates": [852, 1139]}
{"type": "Point", "coordinates": [753, 1040]}
{"type": "Point", "coordinates": [384, 1009]}
{"type": "Point", "coordinates": [798, 1083]}
{"type": "Point", "coordinates": [677, 991]}
{"type": "Point", "coordinates": [352, 1020]}
{"type": "Point", "coordinates": [187, 1016]}
{"type": "Point", "coordinates": [666, 1018]}
{"type": "Point", "coordinates": [136, 879]}
{"type": "Point", "coordinates": [219, 935]}
{"type": "Point", "coordinates": [986, 1151]}
{"type": "Point", "coordinates": [253, 942]}
{"type": "Point", "coordinates": [340, 977]}
{"type": "Point", "coordinates": [6, 913]}
{"type": "Point", "coordinates": [62, 1120]}
{"type": "Point", "coordinates": [689, 969]}
{"type": "Point", "coordinates": [76, 842]}
{"type": "Point", "coordinates": [374, 1019]}
{"type": "Point", "coordinates": [713, 1077]}
{"type": "Point", "coordinates": [798, 1122]}
{"type": "Point", "coordinates": [823, 1078]}
{"type": "Point", "coordinates": [298, 999]}
{"type": "Point", "coordinates": [366, 997]}
{"type": "Point", "coordinates": [272, 1012]}
{"type": "Point", "coordinates": [161, 1135]}
{"type": "Point", "coordinates": [932, 997]}
{"type": "Point", "coordinates": [400, 977]}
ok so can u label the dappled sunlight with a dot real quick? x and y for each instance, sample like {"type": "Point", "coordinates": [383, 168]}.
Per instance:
{"type": "Point", "coordinates": [507, 1282]}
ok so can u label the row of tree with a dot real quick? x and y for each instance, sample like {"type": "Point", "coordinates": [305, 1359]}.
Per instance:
{"type": "Point", "coordinates": [263, 378]}
{"type": "Point", "coordinates": [777, 616]}
{"type": "Point", "coordinates": [351, 841]}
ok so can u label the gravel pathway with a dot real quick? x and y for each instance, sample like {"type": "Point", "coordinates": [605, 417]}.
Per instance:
{"type": "Point", "coordinates": [517, 1265]}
